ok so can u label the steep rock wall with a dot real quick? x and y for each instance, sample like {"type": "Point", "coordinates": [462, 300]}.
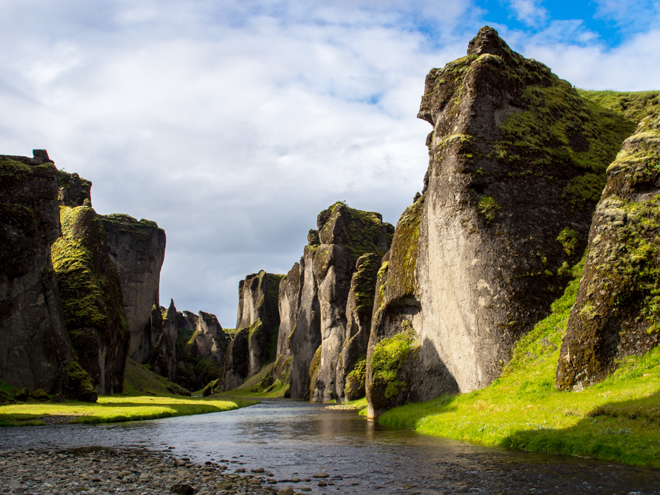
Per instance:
{"type": "Point", "coordinates": [91, 298]}
{"type": "Point", "coordinates": [345, 234]}
{"type": "Point", "coordinates": [516, 166]}
{"type": "Point", "coordinates": [34, 345]}
{"type": "Point", "coordinates": [305, 337]}
{"type": "Point", "coordinates": [617, 310]}
{"type": "Point", "coordinates": [137, 250]}
{"type": "Point", "coordinates": [289, 305]}
{"type": "Point", "coordinates": [258, 310]}
{"type": "Point", "coordinates": [237, 360]}
{"type": "Point", "coordinates": [74, 190]}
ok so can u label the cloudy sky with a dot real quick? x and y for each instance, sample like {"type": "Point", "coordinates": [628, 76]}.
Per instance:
{"type": "Point", "coordinates": [233, 123]}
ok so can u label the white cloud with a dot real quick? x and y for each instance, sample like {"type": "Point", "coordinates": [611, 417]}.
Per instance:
{"type": "Point", "coordinates": [529, 11]}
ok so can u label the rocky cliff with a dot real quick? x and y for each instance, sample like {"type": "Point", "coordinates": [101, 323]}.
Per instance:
{"type": "Point", "coordinates": [345, 234]}
{"type": "Point", "coordinates": [91, 298]}
{"type": "Point", "coordinates": [618, 307]}
{"type": "Point", "coordinates": [74, 190]}
{"type": "Point", "coordinates": [305, 336]}
{"type": "Point", "coordinates": [137, 250]}
{"type": "Point", "coordinates": [35, 351]}
{"type": "Point", "coordinates": [289, 304]}
{"type": "Point", "coordinates": [516, 166]}
{"type": "Point", "coordinates": [258, 310]}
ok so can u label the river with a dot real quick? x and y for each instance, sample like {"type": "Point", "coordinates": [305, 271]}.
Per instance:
{"type": "Point", "coordinates": [296, 440]}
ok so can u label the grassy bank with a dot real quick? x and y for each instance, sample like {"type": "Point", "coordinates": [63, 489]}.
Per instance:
{"type": "Point", "coordinates": [258, 387]}
{"type": "Point", "coordinates": [113, 409]}
{"type": "Point", "coordinates": [617, 419]}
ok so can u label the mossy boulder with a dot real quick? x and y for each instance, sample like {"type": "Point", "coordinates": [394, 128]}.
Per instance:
{"type": "Point", "coordinates": [39, 395]}
{"type": "Point", "coordinates": [22, 394]}
{"type": "Point", "coordinates": [617, 310]}
{"type": "Point", "coordinates": [34, 345]}
{"type": "Point", "coordinates": [78, 384]}
{"type": "Point", "coordinates": [91, 298]}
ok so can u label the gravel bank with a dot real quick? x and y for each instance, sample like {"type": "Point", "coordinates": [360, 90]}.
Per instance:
{"type": "Point", "coordinates": [99, 471]}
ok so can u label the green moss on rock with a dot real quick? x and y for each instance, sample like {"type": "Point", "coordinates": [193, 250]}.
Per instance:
{"type": "Point", "coordinates": [387, 360]}
{"type": "Point", "coordinates": [78, 384]}
{"type": "Point", "coordinates": [355, 380]}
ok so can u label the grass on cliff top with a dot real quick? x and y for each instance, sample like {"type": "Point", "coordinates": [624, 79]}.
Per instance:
{"type": "Point", "coordinates": [617, 419]}
{"type": "Point", "coordinates": [113, 409]}
{"type": "Point", "coordinates": [634, 106]}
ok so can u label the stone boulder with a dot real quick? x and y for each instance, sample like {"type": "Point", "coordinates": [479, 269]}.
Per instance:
{"type": "Point", "coordinates": [91, 298]}
{"type": "Point", "coordinates": [517, 162]}
{"type": "Point", "coordinates": [617, 311]}
{"type": "Point", "coordinates": [137, 249]}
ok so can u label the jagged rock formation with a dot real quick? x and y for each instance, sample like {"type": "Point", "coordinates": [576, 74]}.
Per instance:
{"type": "Point", "coordinates": [258, 310]}
{"type": "Point", "coordinates": [345, 234]}
{"type": "Point", "coordinates": [137, 250]}
{"type": "Point", "coordinates": [358, 328]}
{"type": "Point", "coordinates": [91, 298]}
{"type": "Point", "coordinates": [74, 190]}
{"type": "Point", "coordinates": [618, 307]}
{"type": "Point", "coordinates": [305, 337]}
{"type": "Point", "coordinates": [517, 162]}
{"type": "Point", "coordinates": [35, 352]}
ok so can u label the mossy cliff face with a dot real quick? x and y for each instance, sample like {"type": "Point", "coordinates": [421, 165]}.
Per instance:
{"type": "Point", "coordinates": [305, 336]}
{"type": "Point", "coordinates": [359, 308]}
{"type": "Point", "coordinates": [91, 298]}
{"type": "Point", "coordinates": [258, 309]}
{"type": "Point", "coordinates": [74, 190]}
{"type": "Point", "coordinates": [516, 157]}
{"type": "Point", "coordinates": [34, 346]}
{"type": "Point", "coordinates": [345, 235]}
{"type": "Point", "coordinates": [137, 249]}
{"type": "Point", "coordinates": [618, 305]}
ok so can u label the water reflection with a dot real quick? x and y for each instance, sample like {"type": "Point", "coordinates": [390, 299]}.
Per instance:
{"type": "Point", "coordinates": [293, 439]}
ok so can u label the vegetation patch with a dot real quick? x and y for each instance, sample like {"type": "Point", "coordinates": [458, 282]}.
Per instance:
{"type": "Point", "coordinates": [139, 380]}
{"type": "Point", "coordinates": [488, 208]}
{"type": "Point", "coordinates": [389, 357]}
{"type": "Point", "coordinates": [355, 380]}
{"type": "Point", "coordinates": [614, 420]}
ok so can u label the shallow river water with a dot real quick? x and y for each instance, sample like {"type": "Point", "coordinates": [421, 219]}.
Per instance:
{"type": "Point", "coordinates": [297, 440]}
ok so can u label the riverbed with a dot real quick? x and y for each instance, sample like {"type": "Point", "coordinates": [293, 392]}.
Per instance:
{"type": "Point", "coordinates": [296, 440]}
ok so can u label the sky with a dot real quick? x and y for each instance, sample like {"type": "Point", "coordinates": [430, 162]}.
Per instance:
{"type": "Point", "coordinates": [233, 123]}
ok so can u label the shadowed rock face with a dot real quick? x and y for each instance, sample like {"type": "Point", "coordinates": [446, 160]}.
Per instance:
{"type": "Point", "coordinates": [345, 235]}
{"type": "Point", "coordinates": [237, 360]}
{"type": "Point", "coordinates": [34, 346]}
{"type": "Point", "coordinates": [258, 310]}
{"type": "Point", "coordinates": [617, 310]}
{"type": "Point", "coordinates": [91, 298]}
{"type": "Point", "coordinates": [516, 165]}
{"type": "Point", "coordinates": [289, 303]}
{"type": "Point", "coordinates": [306, 335]}
{"type": "Point", "coordinates": [137, 250]}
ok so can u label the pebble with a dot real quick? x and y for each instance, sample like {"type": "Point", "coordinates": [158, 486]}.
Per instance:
{"type": "Point", "coordinates": [105, 471]}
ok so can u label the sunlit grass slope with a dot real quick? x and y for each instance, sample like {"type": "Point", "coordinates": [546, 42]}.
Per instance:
{"type": "Point", "coordinates": [255, 386]}
{"type": "Point", "coordinates": [617, 419]}
{"type": "Point", "coordinates": [112, 409]}
{"type": "Point", "coordinates": [138, 380]}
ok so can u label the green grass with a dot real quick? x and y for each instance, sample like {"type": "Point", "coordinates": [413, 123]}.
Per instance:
{"type": "Point", "coordinates": [617, 419]}
{"type": "Point", "coordinates": [138, 380]}
{"type": "Point", "coordinates": [113, 409]}
{"type": "Point", "coordinates": [256, 387]}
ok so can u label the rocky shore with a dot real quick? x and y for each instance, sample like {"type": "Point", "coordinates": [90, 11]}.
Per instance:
{"type": "Point", "coordinates": [99, 470]}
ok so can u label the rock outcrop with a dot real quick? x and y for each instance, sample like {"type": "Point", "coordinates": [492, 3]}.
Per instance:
{"type": "Point", "coordinates": [137, 250]}
{"type": "Point", "coordinates": [305, 337]}
{"type": "Point", "coordinates": [237, 360]}
{"type": "Point", "coordinates": [517, 161]}
{"type": "Point", "coordinates": [258, 311]}
{"type": "Point", "coordinates": [288, 303]}
{"type": "Point", "coordinates": [345, 234]}
{"type": "Point", "coordinates": [35, 352]}
{"type": "Point", "coordinates": [91, 298]}
{"type": "Point", "coordinates": [74, 190]}
{"type": "Point", "coordinates": [617, 310]}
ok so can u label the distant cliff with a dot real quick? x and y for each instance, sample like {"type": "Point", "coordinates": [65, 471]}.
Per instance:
{"type": "Point", "coordinates": [137, 250]}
